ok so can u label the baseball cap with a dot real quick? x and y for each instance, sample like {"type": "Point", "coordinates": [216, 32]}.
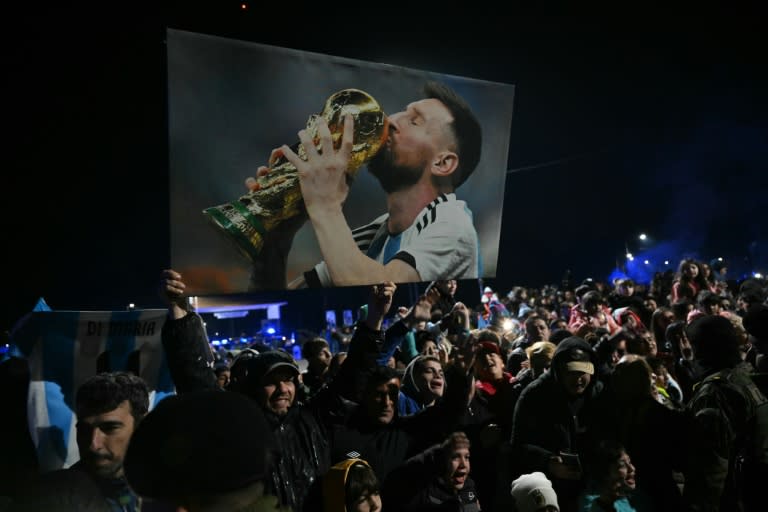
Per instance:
{"type": "Point", "coordinates": [269, 361]}
{"type": "Point", "coordinates": [488, 346]}
{"type": "Point", "coordinates": [249, 370]}
{"type": "Point", "coordinates": [578, 360]}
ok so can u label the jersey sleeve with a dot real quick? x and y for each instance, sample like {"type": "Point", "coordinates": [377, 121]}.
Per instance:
{"type": "Point", "coordinates": [320, 277]}
{"type": "Point", "coordinates": [445, 248]}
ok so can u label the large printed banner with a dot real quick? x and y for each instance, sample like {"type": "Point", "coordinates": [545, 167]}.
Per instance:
{"type": "Point", "coordinates": [232, 102]}
{"type": "Point", "coordinates": [65, 348]}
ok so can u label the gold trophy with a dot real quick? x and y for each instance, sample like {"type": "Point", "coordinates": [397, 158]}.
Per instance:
{"type": "Point", "coordinates": [277, 195]}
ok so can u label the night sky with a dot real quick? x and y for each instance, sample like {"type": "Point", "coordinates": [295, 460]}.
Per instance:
{"type": "Point", "coordinates": [622, 126]}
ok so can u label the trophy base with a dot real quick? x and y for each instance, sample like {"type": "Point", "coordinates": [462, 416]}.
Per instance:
{"type": "Point", "coordinates": [242, 227]}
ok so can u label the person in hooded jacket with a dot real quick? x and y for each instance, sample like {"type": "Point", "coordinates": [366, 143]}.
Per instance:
{"type": "Point", "coordinates": [423, 385]}
{"type": "Point", "coordinates": [552, 418]}
{"type": "Point", "coordinates": [435, 480]}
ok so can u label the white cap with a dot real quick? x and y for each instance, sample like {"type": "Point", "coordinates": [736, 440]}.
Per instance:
{"type": "Point", "coordinates": [533, 492]}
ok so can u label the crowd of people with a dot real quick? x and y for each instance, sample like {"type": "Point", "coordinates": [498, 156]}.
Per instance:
{"type": "Point", "coordinates": [590, 397]}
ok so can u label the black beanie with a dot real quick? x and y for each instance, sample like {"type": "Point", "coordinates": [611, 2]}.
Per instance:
{"type": "Point", "coordinates": [202, 442]}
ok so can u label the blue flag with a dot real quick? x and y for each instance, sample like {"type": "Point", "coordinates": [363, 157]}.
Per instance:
{"type": "Point", "coordinates": [65, 348]}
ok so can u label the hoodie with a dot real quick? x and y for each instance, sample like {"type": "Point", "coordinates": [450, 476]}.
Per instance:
{"type": "Point", "coordinates": [547, 420]}
{"type": "Point", "coordinates": [409, 401]}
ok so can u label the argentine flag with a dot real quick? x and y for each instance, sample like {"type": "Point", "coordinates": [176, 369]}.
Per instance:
{"type": "Point", "coordinates": [64, 349]}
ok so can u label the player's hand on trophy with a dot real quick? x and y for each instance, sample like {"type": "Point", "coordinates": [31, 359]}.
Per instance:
{"type": "Point", "coordinates": [289, 227]}
{"type": "Point", "coordinates": [323, 175]}
{"type": "Point", "coordinates": [253, 183]}
{"type": "Point", "coordinates": [270, 266]}
{"type": "Point", "coordinates": [311, 176]}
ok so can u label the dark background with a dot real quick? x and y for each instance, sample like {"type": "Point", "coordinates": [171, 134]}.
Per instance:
{"type": "Point", "coordinates": [622, 125]}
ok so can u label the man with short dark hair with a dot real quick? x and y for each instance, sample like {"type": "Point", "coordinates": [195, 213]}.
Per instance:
{"type": "Point", "coordinates": [109, 407]}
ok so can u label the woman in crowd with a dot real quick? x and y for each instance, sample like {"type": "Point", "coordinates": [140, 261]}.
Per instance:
{"type": "Point", "coordinates": [688, 281]}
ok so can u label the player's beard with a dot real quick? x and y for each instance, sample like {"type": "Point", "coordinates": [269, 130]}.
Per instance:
{"type": "Point", "coordinates": [391, 176]}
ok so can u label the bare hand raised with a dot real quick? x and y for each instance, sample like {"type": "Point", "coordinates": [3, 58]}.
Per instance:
{"type": "Point", "coordinates": [379, 303]}
{"type": "Point", "coordinates": [172, 292]}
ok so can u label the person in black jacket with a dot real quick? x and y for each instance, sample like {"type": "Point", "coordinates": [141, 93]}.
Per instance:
{"type": "Point", "coordinates": [727, 459]}
{"type": "Point", "coordinates": [552, 418]}
{"type": "Point", "coordinates": [268, 377]}
{"type": "Point", "coordinates": [436, 479]}
{"type": "Point", "coordinates": [353, 414]}
{"type": "Point", "coordinates": [371, 428]}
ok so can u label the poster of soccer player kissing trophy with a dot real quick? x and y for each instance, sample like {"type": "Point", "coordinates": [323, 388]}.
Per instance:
{"type": "Point", "coordinates": [291, 169]}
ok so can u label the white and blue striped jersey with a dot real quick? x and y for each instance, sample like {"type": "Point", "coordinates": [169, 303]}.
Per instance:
{"type": "Point", "coordinates": [441, 243]}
